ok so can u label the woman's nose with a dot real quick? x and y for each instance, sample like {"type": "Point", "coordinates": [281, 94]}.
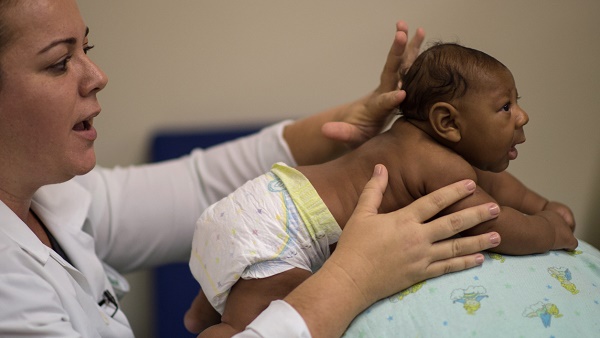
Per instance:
{"type": "Point", "coordinates": [95, 78]}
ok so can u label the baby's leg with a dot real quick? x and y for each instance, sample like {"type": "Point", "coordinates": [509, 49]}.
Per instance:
{"type": "Point", "coordinates": [200, 315]}
{"type": "Point", "coordinates": [249, 297]}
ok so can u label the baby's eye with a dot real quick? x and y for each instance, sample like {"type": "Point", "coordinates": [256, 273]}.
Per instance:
{"type": "Point", "coordinates": [506, 107]}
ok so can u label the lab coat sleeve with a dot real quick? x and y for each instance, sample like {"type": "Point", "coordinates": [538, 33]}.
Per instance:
{"type": "Point", "coordinates": [144, 216]}
{"type": "Point", "coordinates": [278, 320]}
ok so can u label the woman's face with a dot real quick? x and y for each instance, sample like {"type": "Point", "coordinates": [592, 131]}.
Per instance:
{"type": "Point", "coordinates": [47, 94]}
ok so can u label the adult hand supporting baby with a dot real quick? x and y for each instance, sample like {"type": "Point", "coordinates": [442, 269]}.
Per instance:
{"type": "Point", "coordinates": [366, 117]}
{"type": "Point", "coordinates": [321, 137]}
{"type": "Point", "coordinates": [380, 254]}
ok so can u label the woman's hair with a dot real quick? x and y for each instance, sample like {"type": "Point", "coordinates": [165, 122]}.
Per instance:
{"type": "Point", "coordinates": [7, 34]}
{"type": "Point", "coordinates": [442, 73]}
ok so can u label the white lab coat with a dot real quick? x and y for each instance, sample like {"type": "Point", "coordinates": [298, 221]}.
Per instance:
{"type": "Point", "coordinates": [128, 218]}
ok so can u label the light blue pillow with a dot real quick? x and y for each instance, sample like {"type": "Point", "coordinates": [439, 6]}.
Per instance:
{"type": "Point", "coordinates": [556, 294]}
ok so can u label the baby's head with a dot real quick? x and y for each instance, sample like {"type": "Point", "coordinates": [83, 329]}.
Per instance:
{"type": "Point", "coordinates": [466, 100]}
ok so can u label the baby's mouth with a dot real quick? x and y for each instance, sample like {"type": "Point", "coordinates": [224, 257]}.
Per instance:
{"type": "Point", "coordinates": [513, 153]}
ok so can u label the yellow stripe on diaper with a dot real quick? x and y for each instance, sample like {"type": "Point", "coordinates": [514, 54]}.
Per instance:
{"type": "Point", "coordinates": [313, 211]}
{"type": "Point", "coordinates": [200, 263]}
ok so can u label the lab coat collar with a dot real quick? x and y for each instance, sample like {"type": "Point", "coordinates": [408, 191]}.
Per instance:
{"type": "Point", "coordinates": [63, 209]}
{"type": "Point", "coordinates": [65, 203]}
{"type": "Point", "coordinates": [18, 231]}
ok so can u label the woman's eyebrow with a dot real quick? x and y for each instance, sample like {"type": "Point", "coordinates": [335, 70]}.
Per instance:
{"type": "Point", "coordinates": [69, 41]}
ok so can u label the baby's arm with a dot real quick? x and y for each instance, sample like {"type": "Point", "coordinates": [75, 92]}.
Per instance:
{"type": "Point", "coordinates": [509, 191]}
{"type": "Point", "coordinates": [200, 315]}
{"type": "Point", "coordinates": [528, 223]}
{"type": "Point", "coordinates": [524, 234]}
{"type": "Point", "coordinates": [249, 297]}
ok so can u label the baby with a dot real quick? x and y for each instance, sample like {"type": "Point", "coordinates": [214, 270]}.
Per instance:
{"type": "Point", "coordinates": [460, 120]}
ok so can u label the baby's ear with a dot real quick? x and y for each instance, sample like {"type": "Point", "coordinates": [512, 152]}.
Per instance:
{"type": "Point", "coordinates": [442, 117]}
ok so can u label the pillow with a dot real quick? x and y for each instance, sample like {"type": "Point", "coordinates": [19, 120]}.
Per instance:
{"type": "Point", "coordinates": [556, 294]}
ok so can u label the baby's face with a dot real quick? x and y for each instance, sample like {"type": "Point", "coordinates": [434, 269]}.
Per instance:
{"type": "Point", "coordinates": [491, 122]}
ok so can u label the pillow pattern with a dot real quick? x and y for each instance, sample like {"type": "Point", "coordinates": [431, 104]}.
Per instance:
{"type": "Point", "coordinates": [556, 294]}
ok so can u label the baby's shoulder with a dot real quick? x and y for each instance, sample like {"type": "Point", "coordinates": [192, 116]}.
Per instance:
{"type": "Point", "coordinates": [434, 166]}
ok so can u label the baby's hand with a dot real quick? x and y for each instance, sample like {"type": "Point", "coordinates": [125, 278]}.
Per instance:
{"type": "Point", "coordinates": [564, 211]}
{"type": "Point", "coordinates": [563, 232]}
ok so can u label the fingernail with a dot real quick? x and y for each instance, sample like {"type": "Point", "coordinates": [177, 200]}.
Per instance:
{"type": "Point", "coordinates": [401, 94]}
{"type": "Point", "coordinates": [495, 238]}
{"type": "Point", "coordinates": [378, 168]}
{"type": "Point", "coordinates": [479, 259]}
{"type": "Point", "coordinates": [494, 209]}
{"type": "Point", "coordinates": [470, 185]}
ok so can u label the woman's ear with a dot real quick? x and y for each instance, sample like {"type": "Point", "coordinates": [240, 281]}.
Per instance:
{"type": "Point", "coordinates": [442, 117]}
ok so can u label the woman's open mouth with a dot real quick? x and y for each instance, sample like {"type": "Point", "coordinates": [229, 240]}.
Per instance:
{"type": "Point", "coordinates": [83, 125]}
{"type": "Point", "coordinates": [86, 129]}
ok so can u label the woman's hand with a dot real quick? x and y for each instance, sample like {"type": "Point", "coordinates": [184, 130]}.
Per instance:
{"type": "Point", "coordinates": [386, 253]}
{"type": "Point", "coordinates": [380, 254]}
{"type": "Point", "coordinates": [366, 117]}
{"type": "Point", "coordinates": [328, 134]}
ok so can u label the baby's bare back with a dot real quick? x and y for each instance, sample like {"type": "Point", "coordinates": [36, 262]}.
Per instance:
{"type": "Point", "coordinates": [416, 163]}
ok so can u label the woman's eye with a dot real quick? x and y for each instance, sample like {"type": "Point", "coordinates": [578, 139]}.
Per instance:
{"type": "Point", "coordinates": [87, 48]}
{"type": "Point", "coordinates": [61, 66]}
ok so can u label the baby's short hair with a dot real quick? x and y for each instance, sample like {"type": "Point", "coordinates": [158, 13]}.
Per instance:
{"type": "Point", "coordinates": [442, 73]}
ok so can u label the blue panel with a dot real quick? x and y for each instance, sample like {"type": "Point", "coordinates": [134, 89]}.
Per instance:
{"type": "Point", "coordinates": [175, 288]}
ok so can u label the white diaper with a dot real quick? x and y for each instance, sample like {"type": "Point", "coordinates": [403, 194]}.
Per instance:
{"type": "Point", "coordinates": [269, 225]}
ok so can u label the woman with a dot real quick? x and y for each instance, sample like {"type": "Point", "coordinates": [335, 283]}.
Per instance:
{"type": "Point", "coordinates": [59, 234]}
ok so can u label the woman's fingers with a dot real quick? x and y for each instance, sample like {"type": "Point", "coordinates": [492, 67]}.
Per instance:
{"type": "Point", "coordinates": [455, 264]}
{"type": "Point", "coordinates": [391, 100]}
{"type": "Point", "coordinates": [401, 56]}
{"type": "Point", "coordinates": [460, 253]}
{"type": "Point", "coordinates": [412, 49]}
{"type": "Point", "coordinates": [457, 254]}
{"type": "Point", "coordinates": [370, 199]}
{"type": "Point", "coordinates": [429, 205]}
{"type": "Point", "coordinates": [450, 225]}
{"type": "Point", "coordinates": [389, 75]}
{"type": "Point", "coordinates": [463, 246]}
{"type": "Point", "coordinates": [383, 253]}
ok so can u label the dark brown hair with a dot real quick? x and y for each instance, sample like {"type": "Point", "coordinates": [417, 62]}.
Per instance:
{"type": "Point", "coordinates": [442, 73]}
{"type": "Point", "coordinates": [7, 34]}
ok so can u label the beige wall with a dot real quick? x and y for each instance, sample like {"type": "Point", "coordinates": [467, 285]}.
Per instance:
{"type": "Point", "coordinates": [208, 63]}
